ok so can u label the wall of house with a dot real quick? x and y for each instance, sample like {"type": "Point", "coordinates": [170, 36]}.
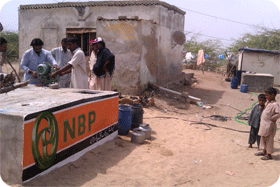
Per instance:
{"type": "Point", "coordinates": [50, 24]}
{"type": "Point", "coordinates": [142, 55]}
{"type": "Point", "coordinates": [144, 48]}
{"type": "Point", "coordinates": [268, 63]}
{"type": "Point", "coordinates": [150, 54]}
{"type": "Point", "coordinates": [123, 39]}
{"type": "Point", "coordinates": [170, 54]}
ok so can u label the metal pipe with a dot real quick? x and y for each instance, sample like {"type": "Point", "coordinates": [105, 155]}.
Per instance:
{"type": "Point", "coordinates": [177, 93]}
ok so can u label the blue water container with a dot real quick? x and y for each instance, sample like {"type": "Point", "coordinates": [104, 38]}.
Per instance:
{"type": "Point", "coordinates": [234, 82]}
{"type": "Point", "coordinates": [243, 88]}
{"type": "Point", "coordinates": [124, 120]}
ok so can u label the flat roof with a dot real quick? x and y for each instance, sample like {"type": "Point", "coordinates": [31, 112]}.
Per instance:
{"type": "Point", "coordinates": [32, 99]}
{"type": "Point", "coordinates": [258, 50]}
{"type": "Point", "coordinates": [103, 3]}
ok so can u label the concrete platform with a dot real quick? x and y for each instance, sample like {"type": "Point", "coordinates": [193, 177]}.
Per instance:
{"type": "Point", "coordinates": [257, 82]}
{"type": "Point", "coordinates": [43, 129]}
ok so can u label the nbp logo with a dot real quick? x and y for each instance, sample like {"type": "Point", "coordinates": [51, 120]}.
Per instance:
{"type": "Point", "coordinates": [49, 140]}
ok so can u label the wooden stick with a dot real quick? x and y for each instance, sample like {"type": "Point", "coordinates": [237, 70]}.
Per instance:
{"type": "Point", "coordinates": [13, 87]}
{"type": "Point", "coordinates": [12, 67]}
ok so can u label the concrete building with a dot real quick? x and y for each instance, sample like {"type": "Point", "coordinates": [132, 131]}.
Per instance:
{"type": "Point", "coordinates": [260, 61]}
{"type": "Point", "coordinates": [145, 36]}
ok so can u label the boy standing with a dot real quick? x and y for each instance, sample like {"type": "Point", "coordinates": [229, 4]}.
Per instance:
{"type": "Point", "coordinates": [254, 121]}
{"type": "Point", "coordinates": [268, 124]}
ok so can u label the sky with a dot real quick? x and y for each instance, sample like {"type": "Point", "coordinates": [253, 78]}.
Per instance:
{"type": "Point", "coordinates": [225, 20]}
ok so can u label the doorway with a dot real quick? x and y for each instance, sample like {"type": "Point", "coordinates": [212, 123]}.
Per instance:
{"type": "Point", "coordinates": [84, 35]}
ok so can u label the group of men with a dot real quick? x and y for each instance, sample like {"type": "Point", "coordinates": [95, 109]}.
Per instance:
{"type": "Point", "coordinates": [70, 63]}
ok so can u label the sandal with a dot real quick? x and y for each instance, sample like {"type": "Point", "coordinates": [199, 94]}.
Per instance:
{"type": "Point", "coordinates": [259, 154]}
{"type": "Point", "coordinates": [266, 157]}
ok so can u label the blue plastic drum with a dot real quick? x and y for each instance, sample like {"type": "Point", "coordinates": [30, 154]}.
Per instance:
{"type": "Point", "coordinates": [124, 120]}
{"type": "Point", "coordinates": [244, 88]}
{"type": "Point", "coordinates": [234, 82]}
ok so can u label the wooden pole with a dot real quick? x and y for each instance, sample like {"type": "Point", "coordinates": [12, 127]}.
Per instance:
{"type": "Point", "coordinates": [12, 67]}
{"type": "Point", "coordinates": [13, 87]}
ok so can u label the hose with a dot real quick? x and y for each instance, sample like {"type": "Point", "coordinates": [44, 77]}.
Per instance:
{"type": "Point", "coordinates": [238, 116]}
{"type": "Point", "coordinates": [209, 125]}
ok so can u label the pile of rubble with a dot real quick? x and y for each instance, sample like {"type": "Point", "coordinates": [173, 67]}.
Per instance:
{"type": "Point", "coordinates": [146, 101]}
{"type": "Point", "coordinates": [147, 97]}
{"type": "Point", "coordinates": [188, 79]}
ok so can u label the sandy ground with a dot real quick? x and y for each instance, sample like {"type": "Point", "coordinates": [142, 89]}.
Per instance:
{"type": "Point", "coordinates": [179, 154]}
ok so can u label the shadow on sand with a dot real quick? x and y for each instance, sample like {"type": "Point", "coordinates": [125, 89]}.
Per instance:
{"type": "Point", "coordinates": [87, 167]}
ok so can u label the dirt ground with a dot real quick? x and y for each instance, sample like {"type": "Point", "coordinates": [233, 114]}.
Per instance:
{"type": "Point", "coordinates": [179, 153]}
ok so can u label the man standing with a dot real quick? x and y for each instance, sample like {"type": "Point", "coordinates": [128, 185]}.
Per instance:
{"type": "Point", "coordinates": [104, 66]}
{"type": "Point", "coordinates": [92, 61]}
{"type": "Point", "coordinates": [32, 58]}
{"type": "Point", "coordinates": [77, 66]}
{"type": "Point", "coordinates": [62, 55]}
{"type": "Point", "coordinates": [3, 48]}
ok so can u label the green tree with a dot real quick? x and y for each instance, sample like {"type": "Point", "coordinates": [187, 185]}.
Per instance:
{"type": "Point", "coordinates": [263, 39]}
{"type": "Point", "coordinates": [211, 47]}
{"type": "Point", "coordinates": [12, 39]}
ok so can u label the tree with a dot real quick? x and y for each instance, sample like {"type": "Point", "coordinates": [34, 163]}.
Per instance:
{"type": "Point", "coordinates": [211, 47]}
{"type": "Point", "coordinates": [12, 39]}
{"type": "Point", "coordinates": [263, 39]}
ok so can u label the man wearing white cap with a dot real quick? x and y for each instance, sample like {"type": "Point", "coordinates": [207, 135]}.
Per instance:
{"type": "Point", "coordinates": [104, 66]}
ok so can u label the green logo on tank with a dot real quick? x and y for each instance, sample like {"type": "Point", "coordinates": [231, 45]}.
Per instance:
{"type": "Point", "coordinates": [45, 160]}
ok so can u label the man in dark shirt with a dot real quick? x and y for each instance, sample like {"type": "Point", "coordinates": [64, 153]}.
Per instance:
{"type": "Point", "coordinates": [104, 66]}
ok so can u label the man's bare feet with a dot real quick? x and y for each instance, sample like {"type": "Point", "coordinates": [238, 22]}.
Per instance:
{"type": "Point", "coordinates": [250, 146]}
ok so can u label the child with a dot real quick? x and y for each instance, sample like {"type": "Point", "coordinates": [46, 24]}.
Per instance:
{"type": "Point", "coordinates": [254, 121]}
{"type": "Point", "coordinates": [267, 130]}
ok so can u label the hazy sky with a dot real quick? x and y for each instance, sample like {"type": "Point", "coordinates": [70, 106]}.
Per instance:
{"type": "Point", "coordinates": [213, 19]}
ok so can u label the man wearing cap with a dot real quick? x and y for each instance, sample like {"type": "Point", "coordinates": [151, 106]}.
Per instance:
{"type": "Point", "coordinates": [77, 66]}
{"type": "Point", "coordinates": [32, 58]}
{"type": "Point", "coordinates": [104, 66]}
{"type": "Point", "coordinates": [62, 56]}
